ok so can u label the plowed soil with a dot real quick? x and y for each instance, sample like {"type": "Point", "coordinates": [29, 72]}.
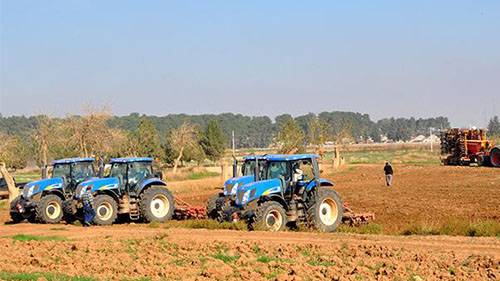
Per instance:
{"type": "Point", "coordinates": [428, 194]}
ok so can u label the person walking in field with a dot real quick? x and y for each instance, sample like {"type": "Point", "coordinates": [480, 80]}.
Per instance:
{"type": "Point", "coordinates": [88, 207]}
{"type": "Point", "coordinates": [388, 173]}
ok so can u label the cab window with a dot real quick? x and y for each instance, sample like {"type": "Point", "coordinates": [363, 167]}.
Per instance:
{"type": "Point", "coordinates": [138, 171]}
{"type": "Point", "coordinates": [82, 171]}
{"type": "Point", "coordinates": [307, 169]}
{"type": "Point", "coordinates": [278, 169]}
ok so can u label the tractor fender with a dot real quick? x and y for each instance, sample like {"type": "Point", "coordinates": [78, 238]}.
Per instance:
{"type": "Point", "coordinates": [322, 182]}
{"type": "Point", "coordinates": [57, 192]}
{"type": "Point", "coordinates": [109, 192]}
{"type": "Point", "coordinates": [275, 198]}
{"type": "Point", "coordinates": [149, 182]}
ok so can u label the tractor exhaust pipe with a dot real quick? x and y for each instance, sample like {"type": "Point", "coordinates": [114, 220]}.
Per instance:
{"type": "Point", "coordinates": [256, 168]}
{"type": "Point", "coordinates": [44, 172]}
{"type": "Point", "coordinates": [235, 168]}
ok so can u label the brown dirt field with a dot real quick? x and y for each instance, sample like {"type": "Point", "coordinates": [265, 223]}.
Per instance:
{"type": "Point", "coordinates": [426, 194]}
{"type": "Point", "coordinates": [133, 251]}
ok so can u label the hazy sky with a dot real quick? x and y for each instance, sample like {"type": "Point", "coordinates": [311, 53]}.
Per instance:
{"type": "Point", "coordinates": [384, 58]}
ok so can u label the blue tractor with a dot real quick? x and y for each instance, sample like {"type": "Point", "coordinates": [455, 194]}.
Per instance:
{"type": "Point", "coordinates": [131, 188]}
{"type": "Point", "coordinates": [279, 190]}
{"type": "Point", "coordinates": [42, 200]}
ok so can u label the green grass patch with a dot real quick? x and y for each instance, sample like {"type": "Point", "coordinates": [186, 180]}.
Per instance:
{"type": "Point", "coordinates": [201, 175]}
{"type": "Point", "coordinates": [10, 276]}
{"type": "Point", "coordinates": [4, 204]}
{"type": "Point", "coordinates": [456, 227]}
{"type": "Point", "coordinates": [371, 228]}
{"type": "Point", "coordinates": [58, 228]}
{"type": "Point", "coordinates": [206, 224]}
{"type": "Point", "coordinates": [154, 224]}
{"type": "Point", "coordinates": [225, 257]}
{"type": "Point", "coordinates": [27, 177]}
{"type": "Point", "coordinates": [412, 156]}
{"type": "Point", "coordinates": [28, 237]}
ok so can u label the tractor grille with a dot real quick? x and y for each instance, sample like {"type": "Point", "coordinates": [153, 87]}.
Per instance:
{"type": "Point", "coordinates": [239, 197]}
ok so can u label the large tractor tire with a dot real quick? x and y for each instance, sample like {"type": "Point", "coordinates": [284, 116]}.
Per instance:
{"type": "Point", "coordinates": [157, 204]}
{"type": "Point", "coordinates": [15, 216]}
{"type": "Point", "coordinates": [214, 207]}
{"type": "Point", "coordinates": [326, 214]}
{"type": "Point", "coordinates": [49, 209]}
{"type": "Point", "coordinates": [269, 216]}
{"type": "Point", "coordinates": [106, 210]}
{"type": "Point", "coordinates": [495, 156]}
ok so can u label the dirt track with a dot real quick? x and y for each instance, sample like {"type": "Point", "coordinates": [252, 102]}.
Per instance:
{"type": "Point", "coordinates": [138, 250]}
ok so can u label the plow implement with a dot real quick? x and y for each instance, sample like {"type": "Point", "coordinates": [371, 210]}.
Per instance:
{"type": "Point", "coordinates": [186, 211]}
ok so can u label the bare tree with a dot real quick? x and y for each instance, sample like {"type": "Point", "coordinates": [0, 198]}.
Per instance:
{"type": "Point", "coordinates": [90, 133]}
{"type": "Point", "coordinates": [43, 136]}
{"type": "Point", "coordinates": [318, 134]}
{"type": "Point", "coordinates": [9, 180]}
{"type": "Point", "coordinates": [181, 138]}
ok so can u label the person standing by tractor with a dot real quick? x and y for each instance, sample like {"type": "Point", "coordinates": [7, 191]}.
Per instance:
{"type": "Point", "coordinates": [88, 207]}
{"type": "Point", "coordinates": [388, 173]}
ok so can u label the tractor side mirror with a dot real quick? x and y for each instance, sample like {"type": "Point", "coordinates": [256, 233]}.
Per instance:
{"type": "Point", "coordinates": [44, 172]}
{"type": "Point", "coordinates": [158, 174]}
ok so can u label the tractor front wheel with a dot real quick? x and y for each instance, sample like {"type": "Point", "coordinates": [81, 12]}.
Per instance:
{"type": "Point", "coordinates": [157, 204]}
{"type": "Point", "coordinates": [269, 216]}
{"type": "Point", "coordinates": [106, 210]}
{"type": "Point", "coordinates": [326, 214]}
{"type": "Point", "coordinates": [49, 209]}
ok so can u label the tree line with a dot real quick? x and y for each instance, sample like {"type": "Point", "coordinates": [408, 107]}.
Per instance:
{"type": "Point", "coordinates": [176, 138]}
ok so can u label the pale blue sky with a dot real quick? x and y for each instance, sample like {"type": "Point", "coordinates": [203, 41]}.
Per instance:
{"type": "Point", "coordinates": [384, 58]}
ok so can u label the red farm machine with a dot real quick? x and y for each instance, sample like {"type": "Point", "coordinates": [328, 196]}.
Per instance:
{"type": "Point", "coordinates": [466, 146]}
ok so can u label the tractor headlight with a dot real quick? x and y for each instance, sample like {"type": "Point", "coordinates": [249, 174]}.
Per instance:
{"type": "Point", "coordinates": [234, 189]}
{"type": "Point", "coordinates": [245, 197]}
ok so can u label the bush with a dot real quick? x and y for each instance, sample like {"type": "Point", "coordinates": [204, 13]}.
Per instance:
{"type": "Point", "coordinates": [371, 228]}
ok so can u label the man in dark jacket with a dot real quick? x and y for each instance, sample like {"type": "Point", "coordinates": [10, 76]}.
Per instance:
{"type": "Point", "coordinates": [388, 173]}
{"type": "Point", "coordinates": [88, 207]}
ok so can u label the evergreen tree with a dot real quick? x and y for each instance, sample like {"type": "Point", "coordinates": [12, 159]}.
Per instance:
{"type": "Point", "coordinates": [147, 139]}
{"type": "Point", "coordinates": [213, 141]}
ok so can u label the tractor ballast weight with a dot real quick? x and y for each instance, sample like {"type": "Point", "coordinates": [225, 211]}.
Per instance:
{"type": "Point", "coordinates": [274, 191]}
{"type": "Point", "coordinates": [42, 200]}
{"type": "Point", "coordinates": [131, 188]}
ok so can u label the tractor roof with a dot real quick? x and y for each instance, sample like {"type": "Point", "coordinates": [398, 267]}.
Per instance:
{"type": "Point", "coordinates": [131, 159]}
{"type": "Point", "coordinates": [282, 157]}
{"type": "Point", "coordinates": [72, 160]}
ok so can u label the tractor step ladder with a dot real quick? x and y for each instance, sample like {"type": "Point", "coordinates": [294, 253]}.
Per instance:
{"type": "Point", "coordinates": [134, 213]}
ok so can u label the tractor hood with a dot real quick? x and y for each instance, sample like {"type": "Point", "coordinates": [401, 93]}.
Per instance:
{"type": "Point", "coordinates": [231, 185]}
{"type": "Point", "coordinates": [251, 191]}
{"type": "Point", "coordinates": [39, 186]}
{"type": "Point", "coordinates": [97, 184]}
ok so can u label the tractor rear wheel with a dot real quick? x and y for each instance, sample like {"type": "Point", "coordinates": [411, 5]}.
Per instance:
{"type": "Point", "coordinates": [157, 204]}
{"type": "Point", "coordinates": [214, 207]}
{"type": "Point", "coordinates": [106, 210]}
{"type": "Point", "coordinates": [269, 216]}
{"type": "Point", "coordinates": [49, 209]}
{"type": "Point", "coordinates": [326, 214]}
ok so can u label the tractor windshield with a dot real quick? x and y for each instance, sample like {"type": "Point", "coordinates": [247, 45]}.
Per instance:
{"type": "Point", "coordinates": [61, 170]}
{"type": "Point", "coordinates": [82, 171]}
{"type": "Point", "coordinates": [249, 168]}
{"type": "Point", "coordinates": [118, 170]}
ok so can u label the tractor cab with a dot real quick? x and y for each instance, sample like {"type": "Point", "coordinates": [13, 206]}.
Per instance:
{"type": "Point", "coordinates": [131, 172]}
{"type": "Point", "coordinates": [42, 200]}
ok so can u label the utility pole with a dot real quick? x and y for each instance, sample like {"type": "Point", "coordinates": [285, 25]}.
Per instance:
{"type": "Point", "coordinates": [430, 136]}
